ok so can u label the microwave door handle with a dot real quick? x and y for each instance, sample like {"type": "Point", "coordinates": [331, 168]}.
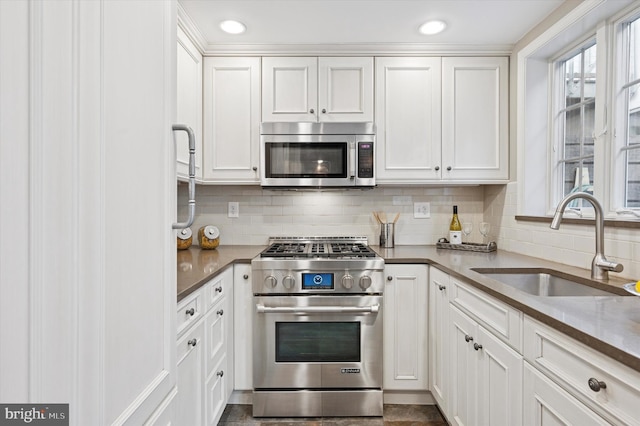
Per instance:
{"type": "Point", "coordinates": [352, 160]}
{"type": "Point", "coordinates": [192, 176]}
{"type": "Point", "coordinates": [262, 309]}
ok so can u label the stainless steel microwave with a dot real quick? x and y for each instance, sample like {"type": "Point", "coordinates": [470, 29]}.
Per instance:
{"type": "Point", "coordinates": [317, 155]}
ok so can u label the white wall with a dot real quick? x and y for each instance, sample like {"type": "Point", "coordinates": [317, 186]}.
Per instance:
{"type": "Point", "coordinates": [283, 213]}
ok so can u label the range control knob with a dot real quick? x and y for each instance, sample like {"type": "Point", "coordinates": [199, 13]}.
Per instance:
{"type": "Point", "coordinates": [347, 281]}
{"type": "Point", "coordinates": [270, 281]}
{"type": "Point", "coordinates": [365, 282]}
{"type": "Point", "coordinates": [288, 282]}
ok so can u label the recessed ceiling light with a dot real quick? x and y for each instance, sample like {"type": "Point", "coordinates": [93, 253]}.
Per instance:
{"type": "Point", "coordinates": [433, 27]}
{"type": "Point", "coordinates": [233, 27]}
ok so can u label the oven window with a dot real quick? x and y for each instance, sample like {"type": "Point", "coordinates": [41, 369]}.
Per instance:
{"type": "Point", "coordinates": [317, 341]}
{"type": "Point", "coordinates": [306, 160]}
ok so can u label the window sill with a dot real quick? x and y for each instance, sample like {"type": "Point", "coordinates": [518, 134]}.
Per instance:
{"type": "Point", "coordinates": [633, 224]}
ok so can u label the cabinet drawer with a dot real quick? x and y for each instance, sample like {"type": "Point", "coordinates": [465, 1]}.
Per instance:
{"type": "Point", "coordinates": [501, 319]}
{"type": "Point", "coordinates": [190, 342]}
{"type": "Point", "coordinates": [189, 311]}
{"type": "Point", "coordinates": [572, 365]}
{"type": "Point", "coordinates": [215, 290]}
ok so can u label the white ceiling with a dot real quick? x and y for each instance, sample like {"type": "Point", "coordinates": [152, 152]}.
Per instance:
{"type": "Point", "coordinates": [320, 22]}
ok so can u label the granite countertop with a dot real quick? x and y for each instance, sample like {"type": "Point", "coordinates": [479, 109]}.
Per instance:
{"type": "Point", "coordinates": [609, 324]}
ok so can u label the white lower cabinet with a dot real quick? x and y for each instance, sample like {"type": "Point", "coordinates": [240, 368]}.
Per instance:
{"type": "Point", "coordinates": [243, 306]}
{"type": "Point", "coordinates": [476, 374]}
{"type": "Point", "coordinates": [190, 373]}
{"type": "Point", "coordinates": [405, 328]}
{"type": "Point", "coordinates": [439, 336]}
{"type": "Point", "coordinates": [205, 346]}
{"type": "Point", "coordinates": [547, 404]}
{"type": "Point", "coordinates": [604, 390]}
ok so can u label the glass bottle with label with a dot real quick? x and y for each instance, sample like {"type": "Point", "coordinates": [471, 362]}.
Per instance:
{"type": "Point", "coordinates": [455, 229]}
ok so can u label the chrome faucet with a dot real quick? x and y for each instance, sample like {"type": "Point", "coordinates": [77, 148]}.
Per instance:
{"type": "Point", "coordinates": [600, 266]}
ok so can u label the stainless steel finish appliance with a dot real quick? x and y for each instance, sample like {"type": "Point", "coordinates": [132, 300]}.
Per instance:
{"type": "Point", "coordinates": [317, 332]}
{"type": "Point", "coordinates": [317, 155]}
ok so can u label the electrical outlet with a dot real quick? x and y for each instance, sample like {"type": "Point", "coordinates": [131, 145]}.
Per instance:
{"type": "Point", "coordinates": [402, 200]}
{"type": "Point", "coordinates": [234, 209]}
{"type": "Point", "coordinates": [421, 210]}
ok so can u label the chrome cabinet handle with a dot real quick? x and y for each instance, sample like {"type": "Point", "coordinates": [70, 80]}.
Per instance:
{"type": "Point", "coordinates": [442, 287]}
{"type": "Point", "coordinates": [437, 168]}
{"type": "Point", "coordinates": [220, 373]}
{"type": "Point", "coordinates": [477, 347]}
{"type": "Point", "coordinates": [389, 278]}
{"type": "Point", "coordinates": [245, 276]}
{"type": "Point", "coordinates": [192, 176]}
{"type": "Point", "coordinates": [311, 111]}
{"type": "Point", "coordinates": [448, 168]}
{"type": "Point", "coordinates": [220, 312]}
{"type": "Point", "coordinates": [218, 289]}
{"type": "Point", "coordinates": [261, 309]}
{"type": "Point", "coordinates": [468, 338]}
{"type": "Point", "coordinates": [596, 385]}
{"type": "Point", "coordinates": [192, 342]}
{"type": "Point", "coordinates": [324, 111]}
{"type": "Point", "coordinates": [190, 312]}
{"type": "Point", "coordinates": [255, 169]}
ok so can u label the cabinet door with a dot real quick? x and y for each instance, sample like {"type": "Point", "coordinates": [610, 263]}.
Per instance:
{"type": "Point", "coordinates": [475, 119]}
{"type": "Point", "coordinates": [438, 337]}
{"type": "Point", "coordinates": [290, 89]}
{"type": "Point", "coordinates": [345, 89]}
{"type": "Point", "coordinates": [243, 306]}
{"type": "Point", "coordinates": [408, 114]}
{"type": "Point", "coordinates": [405, 328]}
{"type": "Point", "coordinates": [463, 369]}
{"type": "Point", "coordinates": [191, 376]}
{"type": "Point", "coordinates": [216, 393]}
{"type": "Point", "coordinates": [189, 103]}
{"type": "Point", "coordinates": [546, 404]}
{"type": "Point", "coordinates": [499, 389]}
{"type": "Point", "coordinates": [231, 120]}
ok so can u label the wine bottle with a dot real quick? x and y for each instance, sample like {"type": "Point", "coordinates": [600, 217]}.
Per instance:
{"type": "Point", "coordinates": [455, 229]}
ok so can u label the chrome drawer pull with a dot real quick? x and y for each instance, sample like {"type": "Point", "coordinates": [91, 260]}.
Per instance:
{"type": "Point", "coordinates": [191, 312]}
{"type": "Point", "coordinates": [192, 342]}
{"type": "Point", "coordinates": [468, 338]}
{"type": "Point", "coordinates": [477, 347]}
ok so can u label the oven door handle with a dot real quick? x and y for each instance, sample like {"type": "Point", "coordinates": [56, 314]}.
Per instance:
{"type": "Point", "coordinates": [261, 309]}
{"type": "Point", "coordinates": [352, 160]}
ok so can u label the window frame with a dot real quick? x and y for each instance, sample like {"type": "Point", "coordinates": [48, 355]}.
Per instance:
{"type": "Point", "coordinates": [557, 125]}
{"type": "Point", "coordinates": [534, 69]}
{"type": "Point", "coordinates": [619, 118]}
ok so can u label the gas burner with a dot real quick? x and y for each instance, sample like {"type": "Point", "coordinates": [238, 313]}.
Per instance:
{"type": "Point", "coordinates": [318, 247]}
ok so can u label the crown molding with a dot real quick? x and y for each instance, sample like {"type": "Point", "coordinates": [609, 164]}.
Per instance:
{"type": "Point", "coordinates": [191, 30]}
{"type": "Point", "coordinates": [357, 49]}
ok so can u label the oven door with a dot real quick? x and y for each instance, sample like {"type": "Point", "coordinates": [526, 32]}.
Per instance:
{"type": "Point", "coordinates": [308, 160]}
{"type": "Point", "coordinates": [317, 342]}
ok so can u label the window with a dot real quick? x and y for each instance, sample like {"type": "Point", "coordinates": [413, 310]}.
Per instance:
{"type": "Point", "coordinates": [574, 123]}
{"type": "Point", "coordinates": [626, 155]}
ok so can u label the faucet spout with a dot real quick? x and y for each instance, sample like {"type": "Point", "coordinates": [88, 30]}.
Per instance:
{"type": "Point", "coordinates": [600, 266]}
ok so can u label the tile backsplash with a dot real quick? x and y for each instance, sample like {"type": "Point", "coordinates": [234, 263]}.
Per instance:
{"type": "Point", "coordinates": [571, 244]}
{"type": "Point", "coordinates": [265, 213]}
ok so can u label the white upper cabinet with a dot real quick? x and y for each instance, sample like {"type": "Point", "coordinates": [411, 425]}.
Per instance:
{"type": "Point", "coordinates": [189, 103]}
{"type": "Point", "coordinates": [442, 120]}
{"type": "Point", "coordinates": [326, 89]}
{"type": "Point", "coordinates": [408, 110]}
{"type": "Point", "coordinates": [475, 118]}
{"type": "Point", "coordinates": [231, 120]}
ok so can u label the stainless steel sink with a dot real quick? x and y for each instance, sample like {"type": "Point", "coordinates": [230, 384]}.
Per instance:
{"type": "Point", "coordinates": [547, 282]}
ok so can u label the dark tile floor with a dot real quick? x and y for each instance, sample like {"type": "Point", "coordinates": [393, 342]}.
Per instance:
{"type": "Point", "coordinates": [394, 415]}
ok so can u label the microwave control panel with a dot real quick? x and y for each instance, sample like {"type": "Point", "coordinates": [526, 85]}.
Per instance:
{"type": "Point", "coordinates": [365, 159]}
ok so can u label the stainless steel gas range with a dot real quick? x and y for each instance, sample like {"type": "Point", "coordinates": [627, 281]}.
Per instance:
{"type": "Point", "coordinates": [317, 334]}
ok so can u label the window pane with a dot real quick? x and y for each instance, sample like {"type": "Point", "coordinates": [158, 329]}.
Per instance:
{"type": "Point", "coordinates": [573, 78]}
{"type": "Point", "coordinates": [634, 55]}
{"type": "Point", "coordinates": [572, 136]}
{"type": "Point", "coordinates": [633, 178]}
{"type": "Point", "coordinates": [589, 76]}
